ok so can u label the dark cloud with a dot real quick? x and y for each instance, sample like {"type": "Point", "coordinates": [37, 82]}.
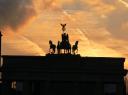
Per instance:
{"type": "Point", "coordinates": [14, 13]}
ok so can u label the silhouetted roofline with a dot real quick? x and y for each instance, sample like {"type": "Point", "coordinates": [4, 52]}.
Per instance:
{"type": "Point", "coordinates": [62, 55]}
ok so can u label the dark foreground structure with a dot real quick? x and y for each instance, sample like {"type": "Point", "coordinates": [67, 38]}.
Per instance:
{"type": "Point", "coordinates": [62, 74]}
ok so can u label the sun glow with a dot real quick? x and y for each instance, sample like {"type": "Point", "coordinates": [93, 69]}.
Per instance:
{"type": "Point", "coordinates": [19, 43]}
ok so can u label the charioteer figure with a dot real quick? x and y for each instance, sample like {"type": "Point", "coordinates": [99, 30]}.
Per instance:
{"type": "Point", "coordinates": [65, 44]}
{"type": "Point", "coordinates": [64, 35]}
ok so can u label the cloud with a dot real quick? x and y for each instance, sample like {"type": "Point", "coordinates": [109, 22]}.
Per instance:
{"type": "Point", "coordinates": [16, 12]}
{"type": "Point", "coordinates": [100, 6]}
{"type": "Point", "coordinates": [101, 21]}
{"type": "Point", "coordinates": [16, 44]}
{"type": "Point", "coordinates": [116, 23]}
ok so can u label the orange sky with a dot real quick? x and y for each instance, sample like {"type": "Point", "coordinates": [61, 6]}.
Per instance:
{"type": "Point", "coordinates": [99, 25]}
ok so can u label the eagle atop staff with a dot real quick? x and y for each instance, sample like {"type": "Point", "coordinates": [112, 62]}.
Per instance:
{"type": "Point", "coordinates": [63, 27]}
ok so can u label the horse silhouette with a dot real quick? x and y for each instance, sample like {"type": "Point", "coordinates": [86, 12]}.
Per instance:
{"type": "Point", "coordinates": [52, 47]}
{"type": "Point", "coordinates": [75, 48]}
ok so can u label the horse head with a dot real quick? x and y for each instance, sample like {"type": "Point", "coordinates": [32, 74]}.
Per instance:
{"type": "Point", "coordinates": [50, 42]}
{"type": "Point", "coordinates": [76, 43]}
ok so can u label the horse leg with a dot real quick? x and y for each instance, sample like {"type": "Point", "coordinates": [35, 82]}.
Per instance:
{"type": "Point", "coordinates": [58, 51]}
{"type": "Point", "coordinates": [68, 51]}
{"type": "Point", "coordinates": [72, 50]}
{"type": "Point", "coordinates": [77, 50]}
{"type": "Point", "coordinates": [54, 50]}
{"type": "Point", "coordinates": [64, 51]}
{"type": "Point", "coordinates": [61, 51]}
{"type": "Point", "coordinates": [50, 51]}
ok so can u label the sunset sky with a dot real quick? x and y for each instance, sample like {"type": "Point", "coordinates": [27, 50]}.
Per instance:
{"type": "Point", "coordinates": [100, 26]}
